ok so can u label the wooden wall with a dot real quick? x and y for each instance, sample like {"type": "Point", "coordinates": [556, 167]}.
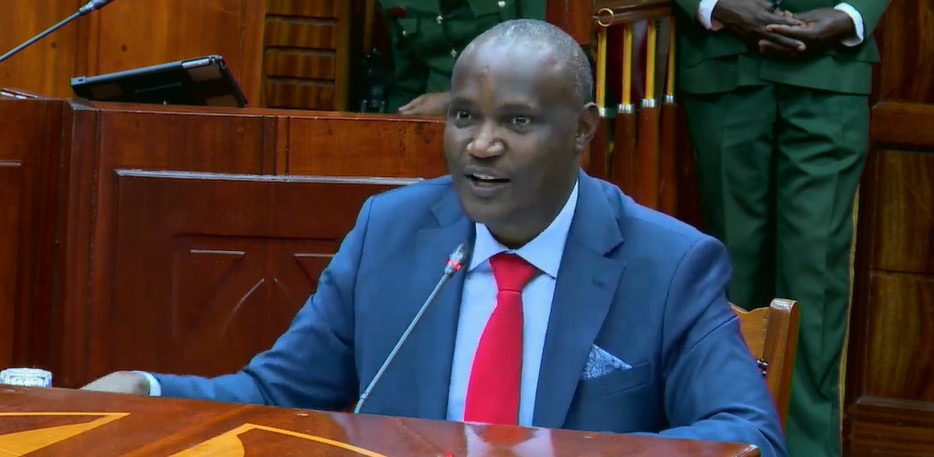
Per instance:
{"type": "Point", "coordinates": [27, 248]}
{"type": "Point", "coordinates": [178, 239]}
{"type": "Point", "coordinates": [284, 53]}
{"type": "Point", "coordinates": [307, 52]}
{"type": "Point", "coordinates": [889, 407]}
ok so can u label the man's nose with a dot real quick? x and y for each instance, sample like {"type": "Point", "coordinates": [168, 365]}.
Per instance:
{"type": "Point", "coordinates": [485, 143]}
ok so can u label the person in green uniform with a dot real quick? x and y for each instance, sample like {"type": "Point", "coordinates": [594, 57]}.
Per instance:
{"type": "Point", "coordinates": [428, 35]}
{"type": "Point", "coordinates": [777, 102]}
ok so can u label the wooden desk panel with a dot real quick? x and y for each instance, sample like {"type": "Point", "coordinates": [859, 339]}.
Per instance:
{"type": "Point", "coordinates": [120, 425]}
{"type": "Point", "coordinates": [29, 150]}
{"type": "Point", "coordinates": [198, 272]}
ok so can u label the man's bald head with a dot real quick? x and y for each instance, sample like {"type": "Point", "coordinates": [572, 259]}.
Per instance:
{"type": "Point", "coordinates": [534, 34]}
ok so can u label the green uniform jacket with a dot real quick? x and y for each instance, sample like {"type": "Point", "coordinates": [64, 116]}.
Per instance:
{"type": "Point", "coordinates": [428, 35]}
{"type": "Point", "coordinates": [712, 62]}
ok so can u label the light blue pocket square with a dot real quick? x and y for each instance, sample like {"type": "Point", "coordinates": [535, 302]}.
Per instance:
{"type": "Point", "coordinates": [601, 363]}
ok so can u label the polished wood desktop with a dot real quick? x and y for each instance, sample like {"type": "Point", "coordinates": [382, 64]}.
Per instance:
{"type": "Point", "coordinates": [57, 422]}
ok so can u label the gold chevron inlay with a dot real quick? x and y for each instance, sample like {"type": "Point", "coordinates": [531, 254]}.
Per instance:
{"type": "Point", "coordinates": [21, 443]}
{"type": "Point", "coordinates": [229, 445]}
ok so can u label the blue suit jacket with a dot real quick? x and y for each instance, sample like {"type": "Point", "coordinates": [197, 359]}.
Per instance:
{"type": "Point", "coordinates": [643, 286]}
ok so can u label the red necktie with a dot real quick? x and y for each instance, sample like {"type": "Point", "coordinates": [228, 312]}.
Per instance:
{"type": "Point", "coordinates": [493, 391]}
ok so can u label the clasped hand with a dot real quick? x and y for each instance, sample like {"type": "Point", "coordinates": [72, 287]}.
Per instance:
{"type": "Point", "coordinates": [777, 31]}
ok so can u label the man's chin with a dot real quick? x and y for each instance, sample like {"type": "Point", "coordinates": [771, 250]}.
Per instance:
{"type": "Point", "coordinates": [483, 212]}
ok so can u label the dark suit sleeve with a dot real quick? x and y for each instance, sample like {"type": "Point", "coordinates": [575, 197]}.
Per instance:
{"type": "Point", "coordinates": [871, 11]}
{"type": "Point", "coordinates": [312, 364]}
{"type": "Point", "coordinates": [713, 388]}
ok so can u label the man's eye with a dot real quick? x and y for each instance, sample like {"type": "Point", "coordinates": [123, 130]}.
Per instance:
{"type": "Point", "coordinates": [461, 115]}
{"type": "Point", "coordinates": [521, 121]}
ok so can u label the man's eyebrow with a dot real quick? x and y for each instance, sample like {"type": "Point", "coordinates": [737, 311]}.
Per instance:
{"type": "Point", "coordinates": [518, 106]}
{"type": "Point", "coordinates": [459, 100]}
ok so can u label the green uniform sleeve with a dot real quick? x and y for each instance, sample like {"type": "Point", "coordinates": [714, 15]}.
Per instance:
{"type": "Point", "coordinates": [690, 6]}
{"type": "Point", "coordinates": [532, 9]}
{"type": "Point", "coordinates": [870, 10]}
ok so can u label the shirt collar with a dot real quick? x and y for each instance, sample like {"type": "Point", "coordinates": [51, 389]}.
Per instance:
{"type": "Point", "coordinates": [544, 251]}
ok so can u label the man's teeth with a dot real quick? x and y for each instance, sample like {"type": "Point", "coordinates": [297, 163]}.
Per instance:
{"type": "Point", "coordinates": [484, 177]}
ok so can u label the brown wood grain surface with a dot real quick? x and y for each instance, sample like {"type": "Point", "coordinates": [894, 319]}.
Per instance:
{"type": "Point", "coordinates": [104, 425]}
{"type": "Point", "coordinates": [889, 404]}
{"type": "Point", "coordinates": [31, 133]}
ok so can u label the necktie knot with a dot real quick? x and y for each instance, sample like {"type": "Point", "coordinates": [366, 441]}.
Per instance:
{"type": "Point", "coordinates": [512, 273]}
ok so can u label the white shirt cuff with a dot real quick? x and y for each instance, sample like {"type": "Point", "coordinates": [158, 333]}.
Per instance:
{"type": "Point", "coordinates": [155, 389]}
{"type": "Point", "coordinates": [857, 24]}
{"type": "Point", "coordinates": [705, 15]}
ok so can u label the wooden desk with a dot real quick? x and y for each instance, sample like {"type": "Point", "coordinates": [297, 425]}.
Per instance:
{"type": "Point", "coordinates": [59, 422]}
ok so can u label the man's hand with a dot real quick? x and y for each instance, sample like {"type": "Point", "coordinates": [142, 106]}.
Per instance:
{"type": "Point", "coordinates": [823, 27]}
{"type": "Point", "coordinates": [430, 104]}
{"type": "Point", "coordinates": [122, 382]}
{"type": "Point", "coordinates": [749, 19]}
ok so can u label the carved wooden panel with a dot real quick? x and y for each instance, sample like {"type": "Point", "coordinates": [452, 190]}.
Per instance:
{"type": "Point", "coordinates": [306, 54]}
{"type": "Point", "coordinates": [366, 146]}
{"type": "Point", "coordinates": [206, 270]}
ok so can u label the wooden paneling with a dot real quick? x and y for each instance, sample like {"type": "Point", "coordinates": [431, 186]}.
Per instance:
{"type": "Point", "coordinates": [183, 141]}
{"type": "Point", "coordinates": [224, 272]}
{"type": "Point", "coordinates": [906, 224]}
{"type": "Point", "coordinates": [891, 428]}
{"type": "Point", "coordinates": [31, 130]}
{"type": "Point", "coordinates": [902, 367]}
{"type": "Point", "coordinates": [889, 404]}
{"type": "Point", "coordinates": [903, 124]}
{"type": "Point", "coordinates": [306, 61]}
{"type": "Point", "coordinates": [137, 34]}
{"type": "Point", "coordinates": [906, 42]}
{"type": "Point", "coordinates": [127, 35]}
{"type": "Point", "coordinates": [11, 200]}
{"type": "Point", "coordinates": [143, 219]}
{"type": "Point", "coordinates": [378, 146]}
{"type": "Point", "coordinates": [574, 17]}
{"type": "Point", "coordinates": [45, 67]}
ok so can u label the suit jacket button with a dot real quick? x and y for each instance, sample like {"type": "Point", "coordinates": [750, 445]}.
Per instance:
{"type": "Point", "coordinates": [439, 19]}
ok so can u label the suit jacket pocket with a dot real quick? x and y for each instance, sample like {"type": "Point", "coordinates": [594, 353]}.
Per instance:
{"type": "Point", "coordinates": [618, 381]}
{"type": "Point", "coordinates": [622, 401]}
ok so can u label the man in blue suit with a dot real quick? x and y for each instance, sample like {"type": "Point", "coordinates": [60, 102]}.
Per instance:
{"type": "Point", "coordinates": [623, 323]}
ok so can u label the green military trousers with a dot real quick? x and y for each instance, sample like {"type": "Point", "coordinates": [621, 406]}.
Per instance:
{"type": "Point", "coordinates": [778, 167]}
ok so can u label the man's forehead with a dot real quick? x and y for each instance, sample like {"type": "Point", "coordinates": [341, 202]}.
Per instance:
{"type": "Point", "coordinates": [512, 66]}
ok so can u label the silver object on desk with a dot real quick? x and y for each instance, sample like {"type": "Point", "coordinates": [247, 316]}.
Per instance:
{"type": "Point", "coordinates": [26, 377]}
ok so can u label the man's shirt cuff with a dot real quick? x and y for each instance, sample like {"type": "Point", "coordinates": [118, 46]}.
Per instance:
{"type": "Point", "coordinates": [857, 24]}
{"type": "Point", "coordinates": [155, 389]}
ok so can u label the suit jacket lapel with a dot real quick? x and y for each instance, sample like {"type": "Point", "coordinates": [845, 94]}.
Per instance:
{"type": "Point", "coordinates": [585, 289]}
{"type": "Point", "coordinates": [434, 336]}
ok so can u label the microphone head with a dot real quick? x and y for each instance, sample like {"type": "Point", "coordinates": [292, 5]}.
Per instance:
{"type": "Point", "coordinates": [456, 259]}
{"type": "Point", "coordinates": [93, 5]}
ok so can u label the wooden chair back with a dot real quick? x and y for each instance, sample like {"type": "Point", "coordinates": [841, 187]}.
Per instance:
{"type": "Point", "coordinates": [772, 336]}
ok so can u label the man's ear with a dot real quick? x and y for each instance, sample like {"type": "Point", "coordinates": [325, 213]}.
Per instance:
{"type": "Point", "coordinates": [587, 123]}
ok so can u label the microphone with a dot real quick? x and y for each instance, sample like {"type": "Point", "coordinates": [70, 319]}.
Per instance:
{"type": "Point", "coordinates": [93, 5]}
{"type": "Point", "coordinates": [454, 264]}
